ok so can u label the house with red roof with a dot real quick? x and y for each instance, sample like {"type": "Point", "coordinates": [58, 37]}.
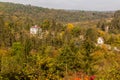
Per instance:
{"type": "Point", "coordinates": [35, 30]}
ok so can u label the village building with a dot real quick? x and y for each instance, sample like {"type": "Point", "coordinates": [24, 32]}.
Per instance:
{"type": "Point", "coordinates": [108, 47]}
{"type": "Point", "coordinates": [100, 41]}
{"type": "Point", "coordinates": [106, 28]}
{"type": "Point", "coordinates": [81, 37]}
{"type": "Point", "coordinates": [35, 30]}
{"type": "Point", "coordinates": [116, 49]}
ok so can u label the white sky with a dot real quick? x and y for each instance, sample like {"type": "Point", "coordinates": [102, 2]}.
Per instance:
{"type": "Point", "coordinates": [99, 5]}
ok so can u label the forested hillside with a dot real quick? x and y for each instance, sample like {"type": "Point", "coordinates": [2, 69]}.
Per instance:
{"type": "Point", "coordinates": [88, 48]}
{"type": "Point", "coordinates": [37, 14]}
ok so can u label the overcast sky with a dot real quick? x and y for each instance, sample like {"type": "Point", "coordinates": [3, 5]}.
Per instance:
{"type": "Point", "coordinates": [101, 5]}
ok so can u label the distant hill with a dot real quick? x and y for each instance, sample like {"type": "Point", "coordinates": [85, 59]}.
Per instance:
{"type": "Point", "coordinates": [38, 14]}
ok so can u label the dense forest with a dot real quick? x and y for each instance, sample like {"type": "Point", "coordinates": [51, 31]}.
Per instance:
{"type": "Point", "coordinates": [66, 48]}
{"type": "Point", "coordinates": [38, 14]}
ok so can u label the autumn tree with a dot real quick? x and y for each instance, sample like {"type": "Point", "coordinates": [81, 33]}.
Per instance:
{"type": "Point", "coordinates": [91, 34]}
{"type": "Point", "coordinates": [87, 48]}
{"type": "Point", "coordinates": [102, 24]}
{"type": "Point", "coordinates": [115, 26]}
{"type": "Point", "coordinates": [68, 60]}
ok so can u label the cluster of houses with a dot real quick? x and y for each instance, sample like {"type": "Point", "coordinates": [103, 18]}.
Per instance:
{"type": "Point", "coordinates": [34, 30]}
{"type": "Point", "coordinates": [100, 41]}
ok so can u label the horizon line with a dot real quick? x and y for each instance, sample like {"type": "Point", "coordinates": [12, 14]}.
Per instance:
{"type": "Point", "coordinates": [67, 9]}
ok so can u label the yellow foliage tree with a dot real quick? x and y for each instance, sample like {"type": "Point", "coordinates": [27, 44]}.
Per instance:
{"type": "Point", "coordinates": [101, 33]}
{"type": "Point", "coordinates": [70, 27]}
{"type": "Point", "coordinates": [3, 52]}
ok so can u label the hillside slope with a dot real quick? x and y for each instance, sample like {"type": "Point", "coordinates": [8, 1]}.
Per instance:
{"type": "Point", "coordinates": [38, 13]}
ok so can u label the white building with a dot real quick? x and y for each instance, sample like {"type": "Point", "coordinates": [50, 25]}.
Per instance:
{"type": "Point", "coordinates": [107, 29]}
{"type": "Point", "coordinates": [35, 30]}
{"type": "Point", "coordinates": [100, 41]}
{"type": "Point", "coordinates": [116, 49]}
